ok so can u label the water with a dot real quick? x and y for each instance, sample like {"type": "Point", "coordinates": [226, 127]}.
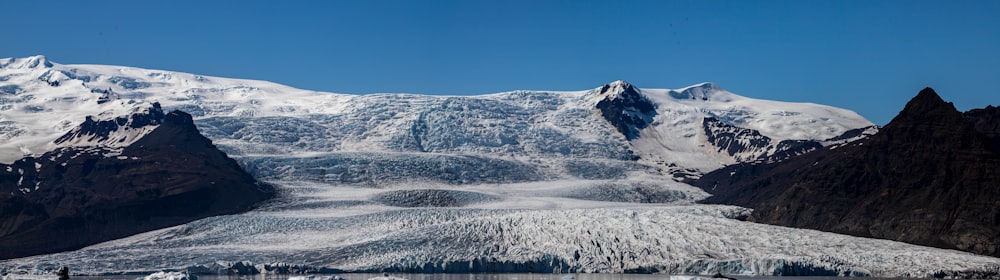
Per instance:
{"type": "Point", "coordinates": [486, 276]}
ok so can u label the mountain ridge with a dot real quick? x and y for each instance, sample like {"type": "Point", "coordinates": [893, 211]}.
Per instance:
{"type": "Point", "coordinates": [928, 177]}
{"type": "Point", "coordinates": [560, 124]}
{"type": "Point", "coordinates": [526, 180]}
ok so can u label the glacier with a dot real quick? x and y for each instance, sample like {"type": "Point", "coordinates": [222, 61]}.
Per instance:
{"type": "Point", "coordinates": [339, 228]}
{"type": "Point", "coordinates": [519, 181]}
{"type": "Point", "coordinates": [256, 118]}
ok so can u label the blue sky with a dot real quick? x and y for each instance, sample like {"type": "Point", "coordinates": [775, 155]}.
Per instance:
{"type": "Point", "coordinates": [868, 56]}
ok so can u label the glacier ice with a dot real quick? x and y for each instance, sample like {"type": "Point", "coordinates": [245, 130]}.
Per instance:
{"type": "Point", "coordinates": [521, 181]}
{"type": "Point", "coordinates": [526, 231]}
{"type": "Point", "coordinates": [174, 275]}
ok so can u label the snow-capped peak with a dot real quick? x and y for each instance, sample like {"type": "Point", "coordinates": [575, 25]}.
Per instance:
{"type": "Point", "coordinates": [706, 91]}
{"type": "Point", "coordinates": [614, 90]}
{"type": "Point", "coordinates": [25, 63]}
{"type": "Point", "coordinates": [615, 87]}
{"type": "Point", "coordinates": [619, 83]}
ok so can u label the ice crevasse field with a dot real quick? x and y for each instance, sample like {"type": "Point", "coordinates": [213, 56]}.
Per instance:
{"type": "Point", "coordinates": [522, 181]}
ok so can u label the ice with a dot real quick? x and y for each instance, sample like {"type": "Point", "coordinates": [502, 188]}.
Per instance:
{"type": "Point", "coordinates": [28, 277]}
{"type": "Point", "coordinates": [169, 276]}
{"type": "Point", "coordinates": [246, 117]}
{"type": "Point", "coordinates": [689, 277]}
{"type": "Point", "coordinates": [521, 181]}
{"type": "Point", "coordinates": [387, 278]}
{"type": "Point", "coordinates": [315, 277]}
{"type": "Point", "coordinates": [533, 227]}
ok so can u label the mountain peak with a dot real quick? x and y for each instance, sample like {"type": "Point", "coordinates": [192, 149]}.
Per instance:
{"type": "Point", "coordinates": [625, 107]}
{"type": "Point", "coordinates": [705, 85]}
{"type": "Point", "coordinates": [619, 83]}
{"type": "Point", "coordinates": [928, 95]}
{"type": "Point", "coordinates": [928, 106]}
{"type": "Point", "coordinates": [615, 87]}
{"type": "Point", "coordinates": [38, 61]}
{"type": "Point", "coordinates": [703, 91]}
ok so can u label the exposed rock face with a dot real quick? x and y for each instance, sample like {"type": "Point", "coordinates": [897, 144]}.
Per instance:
{"type": "Point", "coordinates": [77, 196]}
{"type": "Point", "coordinates": [625, 108]}
{"type": "Point", "coordinates": [114, 131]}
{"type": "Point", "coordinates": [748, 145]}
{"type": "Point", "coordinates": [930, 177]}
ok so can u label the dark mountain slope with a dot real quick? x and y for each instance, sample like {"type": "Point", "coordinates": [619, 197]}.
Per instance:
{"type": "Point", "coordinates": [77, 196]}
{"type": "Point", "coordinates": [625, 108]}
{"type": "Point", "coordinates": [929, 177]}
{"type": "Point", "coordinates": [987, 122]}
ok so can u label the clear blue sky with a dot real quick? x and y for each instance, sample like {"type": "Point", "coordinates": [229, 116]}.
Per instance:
{"type": "Point", "coordinates": [868, 56]}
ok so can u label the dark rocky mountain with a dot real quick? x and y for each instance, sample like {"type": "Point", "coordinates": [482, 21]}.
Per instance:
{"type": "Point", "coordinates": [987, 122]}
{"type": "Point", "coordinates": [625, 108]}
{"type": "Point", "coordinates": [930, 177]}
{"type": "Point", "coordinates": [81, 195]}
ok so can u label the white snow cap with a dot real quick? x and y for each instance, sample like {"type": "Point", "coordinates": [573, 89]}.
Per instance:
{"type": "Point", "coordinates": [25, 63]}
{"type": "Point", "coordinates": [704, 91]}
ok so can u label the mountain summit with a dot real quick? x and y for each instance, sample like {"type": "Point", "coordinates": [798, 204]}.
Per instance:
{"type": "Point", "coordinates": [625, 108]}
{"type": "Point", "coordinates": [26, 62]}
{"type": "Point", "coordinates": [928, 106]}
{"type": "Point", "coordinates": [703, 91]}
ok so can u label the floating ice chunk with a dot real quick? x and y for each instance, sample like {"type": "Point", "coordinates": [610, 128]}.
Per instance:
{"type": "Point", "coordinates": [163, 275]}
{"type": "Point", "coordinates": [315, 277]}
{"type": "Point", "coordinates": [688, 277]}
{"type": "Point", "coordinates": [387, 277]}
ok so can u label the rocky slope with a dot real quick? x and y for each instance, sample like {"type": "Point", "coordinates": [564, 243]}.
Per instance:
{"type": "Point", "coordinates": [161, 173]}
{"type": "Point", "coordinates": [929, 177]}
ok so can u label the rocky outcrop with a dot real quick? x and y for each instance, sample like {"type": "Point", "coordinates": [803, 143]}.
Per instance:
{"type": "Point", "coordinates": [930, 177]}
{"type": "Point", "coordinates": [625, 108]}
{"type": "Point", "coordinates": [78, 195]}
{"type": "Point", "coordinates": [748, 145]}
{"type": "Point", "coordinates": [114, 131]}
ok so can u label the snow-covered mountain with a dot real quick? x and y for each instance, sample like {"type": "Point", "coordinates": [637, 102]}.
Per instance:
{"type": "Point", "coordinates": [665, 129]}
{"type": "Point", "coordinates": [537, 181]}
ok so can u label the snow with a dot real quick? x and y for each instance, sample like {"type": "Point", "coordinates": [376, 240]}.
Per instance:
{"type": "Point", "coordinates": [677, 129]}
{"type": "Point", "coordinates": [526, 181]}
{"type": "Point", "coordinates": [387, 278]}
{"type": "Point", "coordinates": [163, 275]}
{"type": "Point", "coordinates": [247, 117]}
{"type": "Point", "coordinates": [315, 277]}
{"type": "Point", "coordinates": [530, 225]}
{"type": "Point", "coordinates": [690, 277]}
{"type": "Point", "coordinates": [28, 277]}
